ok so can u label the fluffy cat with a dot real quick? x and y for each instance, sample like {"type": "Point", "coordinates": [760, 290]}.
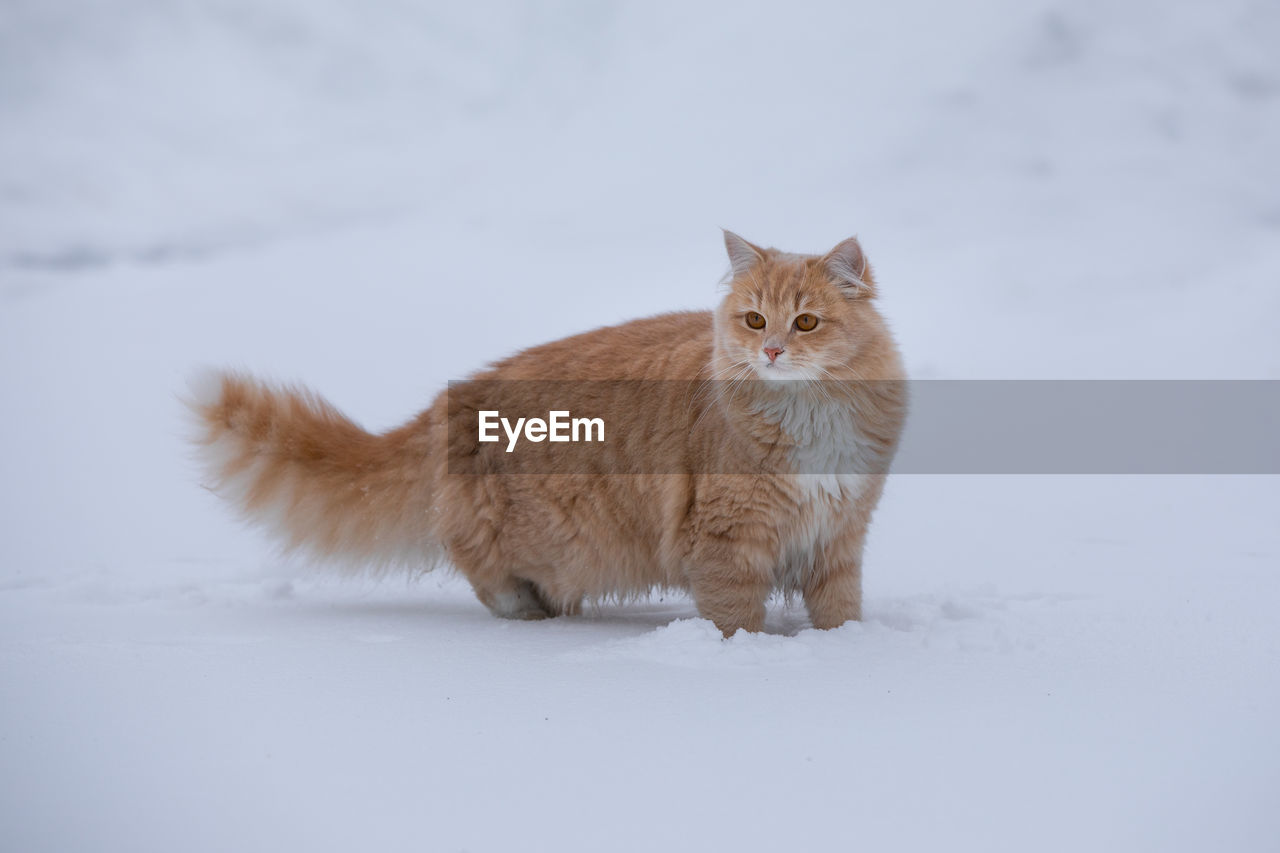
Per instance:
{"type": "Point", "coordinates": [764, 479]}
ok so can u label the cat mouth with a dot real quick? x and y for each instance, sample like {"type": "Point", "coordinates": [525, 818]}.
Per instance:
{"type": "Point", "coordinates": [775, 370]}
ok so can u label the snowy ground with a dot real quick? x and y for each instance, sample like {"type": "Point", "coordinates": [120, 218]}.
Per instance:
{"type": "Point", "coordinates": [376, 198]}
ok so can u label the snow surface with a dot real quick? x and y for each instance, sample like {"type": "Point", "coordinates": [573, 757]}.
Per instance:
{"type": "Point", "coordinates": [375, 198]}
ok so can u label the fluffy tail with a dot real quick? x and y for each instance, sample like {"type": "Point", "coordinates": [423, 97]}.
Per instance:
{"type": "Point", "coordinates": [290, 461]}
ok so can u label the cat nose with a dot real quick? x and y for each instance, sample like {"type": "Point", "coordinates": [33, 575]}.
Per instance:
{"type": "Point", "coordinates": [773, 353]}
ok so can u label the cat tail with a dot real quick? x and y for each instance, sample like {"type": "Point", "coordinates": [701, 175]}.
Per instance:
{"type": "Point", "coordinates": [291, 462]}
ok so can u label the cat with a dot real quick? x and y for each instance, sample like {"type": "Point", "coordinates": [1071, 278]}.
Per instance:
{"type": "Point", "coordinates": [754, 454]}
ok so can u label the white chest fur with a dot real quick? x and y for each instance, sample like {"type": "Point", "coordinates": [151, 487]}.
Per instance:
{"type": "Point", "coordinates": [826, 438]}
{"type": "Point", "coordinates": [830, 459]}
{"type": "Point", "coordinates": [825, 507]}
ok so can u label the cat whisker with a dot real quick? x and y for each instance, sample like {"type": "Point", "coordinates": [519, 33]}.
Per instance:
{"type": "Point", "coordinates": [741, 370]}
{"type": "Point", "coordinates": [824, 386]}
{"type": "Point", "coordinates": [716, 377]}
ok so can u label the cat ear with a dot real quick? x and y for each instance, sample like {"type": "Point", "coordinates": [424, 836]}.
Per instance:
{"type": "Point", "coordinates": [848, 266]}
{"type": "Point", "coordinates": [742, 255]}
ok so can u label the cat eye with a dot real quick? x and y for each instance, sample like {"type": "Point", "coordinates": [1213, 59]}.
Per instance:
{"type": "Point", "coordinates": [754, 320]}
{"type": "Point", "coordinates": [806, 322]}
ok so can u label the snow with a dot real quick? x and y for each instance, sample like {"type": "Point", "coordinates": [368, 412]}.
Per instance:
{"type": "Point", "coordinates": [377, 198]}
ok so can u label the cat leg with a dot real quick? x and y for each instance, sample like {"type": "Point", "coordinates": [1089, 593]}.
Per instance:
{"type": "Point", "coordinates": [833, 590]}
{"type": "Point", "coordinates": [732, 598]}
{"type": "Point", "coordinates": [730, 563]}
{"type": "Point", "coordinates": [506, 595]}
{"type": "Point", "coordinates": [515, 599]}
{"type": "Point", "coordinates": [833, 594]}
{"type": "Point", "coordinates": [524, 599]}
{"type": "Point", "coordinates": [554, 605]}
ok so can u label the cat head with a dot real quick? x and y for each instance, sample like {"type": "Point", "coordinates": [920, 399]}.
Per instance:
{"type": "Point", "coordinates": [790, 316]}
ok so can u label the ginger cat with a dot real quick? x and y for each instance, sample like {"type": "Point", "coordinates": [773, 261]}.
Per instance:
{"type": "Point", "coordinates": [755, 454]}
